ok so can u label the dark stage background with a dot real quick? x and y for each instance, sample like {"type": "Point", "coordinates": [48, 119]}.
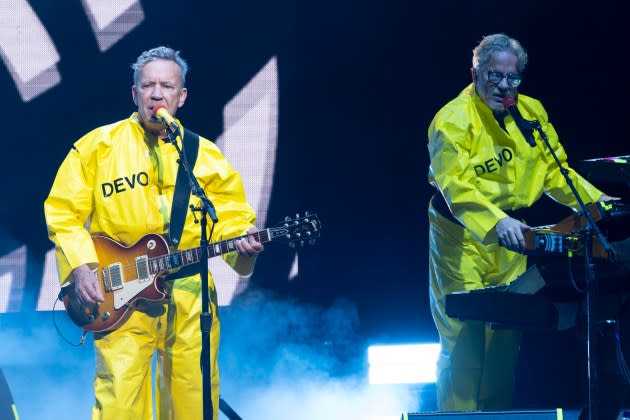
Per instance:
{"type": "Point", "coordinates": [358, 84]}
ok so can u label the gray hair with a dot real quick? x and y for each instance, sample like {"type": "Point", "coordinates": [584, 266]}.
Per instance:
{"type": "Point", "coordinates": [164, 53]}
{"type": "Point", "coordinates": [490, 44]}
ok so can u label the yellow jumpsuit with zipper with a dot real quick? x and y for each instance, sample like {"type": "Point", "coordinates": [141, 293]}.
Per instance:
{"type": "Point", "coordinates": [119, 182]}
{"type": "Point", "coordinates": [482, 170]}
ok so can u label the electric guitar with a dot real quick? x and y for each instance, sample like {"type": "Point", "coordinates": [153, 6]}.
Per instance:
{"type": "Point", "coordinates": [128, 274]}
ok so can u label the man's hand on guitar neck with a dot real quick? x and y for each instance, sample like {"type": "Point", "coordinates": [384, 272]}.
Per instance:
{"type": "Point", "coordinates": [249, 247]}
{"type": "Point", "coordinates": [86, 287]}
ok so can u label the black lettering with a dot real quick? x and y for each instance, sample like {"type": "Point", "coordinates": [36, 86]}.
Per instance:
{"type": "Point", "coordinates": [479, 168]}
{"type": "Point", "coordinates": [143, 178]}
{"type": "Point", "coordinates": [108, 189]}
{"type": "Point", "coordinates": [499, 160]}
{"type": "Point", "coordinates": [118, 185]}
{"type": "Point", "coordinates": [132, 182]}
{"type": "Point", "coordinates": [490, 165]}
{"type": "Point", "coordinates": [507, 154]}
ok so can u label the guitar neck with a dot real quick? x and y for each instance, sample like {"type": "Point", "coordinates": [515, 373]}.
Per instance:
{"type": "Point", "coordinates": [193, 256]}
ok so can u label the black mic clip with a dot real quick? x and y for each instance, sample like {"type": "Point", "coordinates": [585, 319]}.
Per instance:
{"type": "Point", "coordinates": [526, 127]}
{"type": "Point", "coordinates": [172, 132]}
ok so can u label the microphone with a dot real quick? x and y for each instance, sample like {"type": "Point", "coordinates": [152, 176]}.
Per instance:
{"type": "Point", "coordinates": [161, 113]}
{"type": "Point", "coordinates": [172, 129]}
{"type": "Point", "coordinates": [525, 126]}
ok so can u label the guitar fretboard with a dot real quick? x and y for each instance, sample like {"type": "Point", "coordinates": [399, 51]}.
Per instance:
{"type": "Point", "coordinates": [192, 256]}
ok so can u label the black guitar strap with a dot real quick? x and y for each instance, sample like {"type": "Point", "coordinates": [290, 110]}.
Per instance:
{"type": "Point", "coordinates": [181, 196]}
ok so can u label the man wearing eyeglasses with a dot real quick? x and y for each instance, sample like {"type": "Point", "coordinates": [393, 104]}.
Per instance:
{"type": "Point", "coordinates": [484, 170]}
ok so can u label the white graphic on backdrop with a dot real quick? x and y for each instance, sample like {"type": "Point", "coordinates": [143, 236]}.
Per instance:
{"type": "Point", "coordinates": [249, 140]}
{"type": "Point", "coordinates": [27, 50]}
{"type": "Point", "coordinates": [112, 20]}
{"type": "Point", "coordinates": [29, 53]}
{"type": "Point", "coordinates": [12, 279]}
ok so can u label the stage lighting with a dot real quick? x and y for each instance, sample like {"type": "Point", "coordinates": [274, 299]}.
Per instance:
{"type": "Point", "coordinates": [403, 364]}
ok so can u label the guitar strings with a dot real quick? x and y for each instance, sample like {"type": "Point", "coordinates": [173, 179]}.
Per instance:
{"type": "Point", "coordinates": [133, 265]}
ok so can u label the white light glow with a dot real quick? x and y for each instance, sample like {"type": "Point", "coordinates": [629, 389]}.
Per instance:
{"type": "Point", "coordinates": [294, 268]}
{"type": "Point", "coordinates": [403, 364]}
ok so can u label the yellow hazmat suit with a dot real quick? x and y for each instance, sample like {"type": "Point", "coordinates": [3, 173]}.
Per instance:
{"type": "Point", "coordinates": [117, 182]}
{"type": "Point", "coordinates": [482, 171]}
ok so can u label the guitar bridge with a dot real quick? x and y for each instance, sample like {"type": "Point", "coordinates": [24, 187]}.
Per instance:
{"type": "Point", "coordinates": [112, 277]}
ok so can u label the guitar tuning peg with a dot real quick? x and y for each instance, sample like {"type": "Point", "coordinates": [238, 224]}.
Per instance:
{"type": "Point", "coordinates": [287, 218]}
{"type": "Point", "coordinates": [308, 233]}
{"type": "Point", "coordinates": [298, 235]}
{"type": "Point", "coordinates": [297, 215]}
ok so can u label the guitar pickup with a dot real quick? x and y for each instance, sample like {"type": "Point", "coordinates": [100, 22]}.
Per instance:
{"type": "Point", "coordinates": [142, 268]}
{"type": "Point", "coordinates": [112, 277]}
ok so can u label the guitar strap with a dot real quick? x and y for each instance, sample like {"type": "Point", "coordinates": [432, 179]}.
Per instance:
{"type": "Point", "coordinates": [181, 196]}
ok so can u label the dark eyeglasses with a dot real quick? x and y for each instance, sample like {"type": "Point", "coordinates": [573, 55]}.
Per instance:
{"type": "Point", "coordinates": [513, 79]}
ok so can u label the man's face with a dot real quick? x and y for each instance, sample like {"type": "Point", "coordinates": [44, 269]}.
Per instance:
{"type": "Point", "coordinates": [504, 63]}
{"type": "Point", "coordinates": [159, 83]}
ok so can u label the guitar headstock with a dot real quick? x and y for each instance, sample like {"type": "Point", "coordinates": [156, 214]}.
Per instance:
{"type": "Point", "coordinates": [300, 230]}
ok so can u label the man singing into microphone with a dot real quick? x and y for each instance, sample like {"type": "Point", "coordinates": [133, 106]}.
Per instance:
{"type": "Point", "coordinates": [484, 166]}
{"type": "Point", "coordinates": [119, 181]}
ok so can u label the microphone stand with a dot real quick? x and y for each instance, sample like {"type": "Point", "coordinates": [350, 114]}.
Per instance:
{"type": "Point", "coordinates": [591, 229]}
{"type": "Point", "coordinates": [205, 319]}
